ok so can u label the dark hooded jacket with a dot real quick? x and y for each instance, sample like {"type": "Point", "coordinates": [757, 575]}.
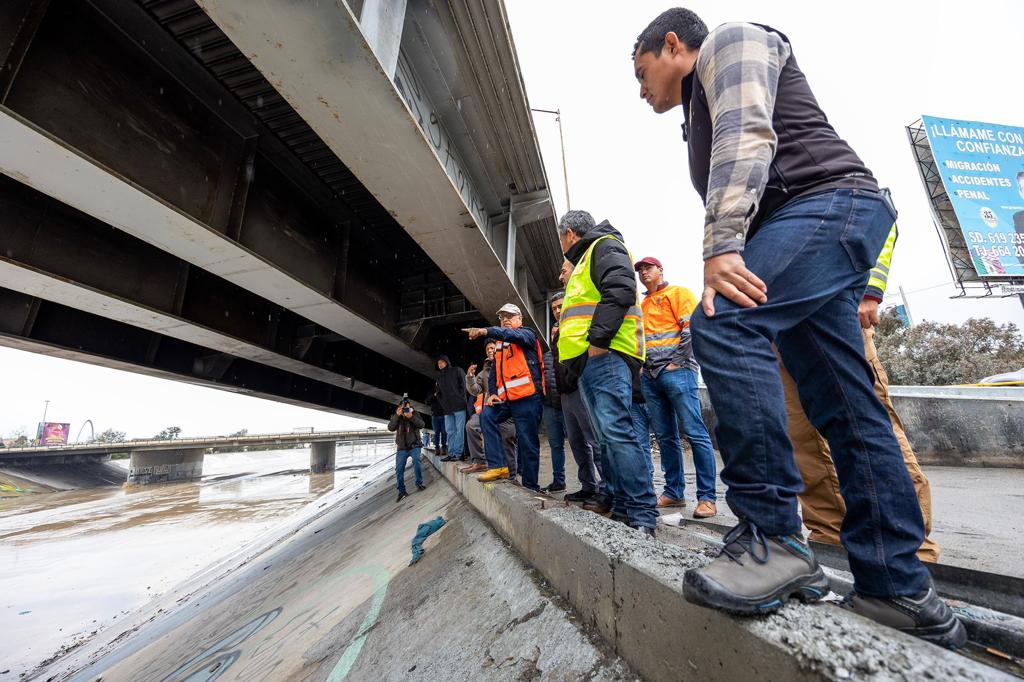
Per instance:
{"type": "Point", "coordinates": [451, 387]}
{"type": "Point", "coordinates": [612, 272]}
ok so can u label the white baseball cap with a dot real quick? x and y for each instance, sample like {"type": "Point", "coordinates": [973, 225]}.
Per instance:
{"type": "Point", "coordinates": [510, 308]}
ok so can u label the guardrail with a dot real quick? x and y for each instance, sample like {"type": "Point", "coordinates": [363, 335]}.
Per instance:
{"type": "Point", "coordinates": [186, 443]}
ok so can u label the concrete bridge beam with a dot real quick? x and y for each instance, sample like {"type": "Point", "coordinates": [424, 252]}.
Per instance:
{"type": "Point", "coordinates": [321, 457]}
{"type": "Point", "coordinates": [166, 466]}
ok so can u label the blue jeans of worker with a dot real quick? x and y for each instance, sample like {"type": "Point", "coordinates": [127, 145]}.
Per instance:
{"type": "Point", "coordinates": [642, 426]}
{"type": "Point", "coordinates": [607, 388]}
{"type": "Point", "coordinates": [526, 413]}
{"type": "Point", "coordinates": [455, 425]}
{"type": "Point", "coordinates": [401, 459]}
{"type": "Point", "coordinates": [814, 255]}
{"type": "Point", "coordinates": [673, 400]}
{"type": "Point", "coordinates": [554, 424]}
{"type": "Point", "coordinates": [440, 434]}
{"type": "Point", "coordinates": [582, 441]}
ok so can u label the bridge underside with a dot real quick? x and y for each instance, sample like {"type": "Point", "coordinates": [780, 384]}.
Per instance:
{"type": "Point", "coordinates": [168, 208]}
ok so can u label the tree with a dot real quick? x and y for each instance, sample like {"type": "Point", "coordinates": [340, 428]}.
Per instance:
{"type": "Point", "coordinates": [170, 433]}
{"type": "Point", "coordinates": [934, 354]}
{"type": "Point", "coordinates": [239, 433]}
{"type": "Point", "coordinates": [110, 436]}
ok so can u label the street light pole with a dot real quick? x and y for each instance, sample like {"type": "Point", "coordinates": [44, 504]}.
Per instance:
{"type": "Point", "coordinates": [561, 138]}
{"type": "Point", "coordinates": [46, 408]}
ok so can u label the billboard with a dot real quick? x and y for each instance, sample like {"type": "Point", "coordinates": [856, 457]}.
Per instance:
{"type": "Point", "coordinates": [54, 433]}
{"type": "Point", "coordinates": [982, 170]}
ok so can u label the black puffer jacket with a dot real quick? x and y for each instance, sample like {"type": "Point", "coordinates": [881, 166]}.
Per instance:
{"type": "Point", "coordinates": [551, 397]}
{"type": "Point", "coordinates": [407, 431]}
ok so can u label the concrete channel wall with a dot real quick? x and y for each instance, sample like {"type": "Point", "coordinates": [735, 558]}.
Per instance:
{"type": "Point", "coordinates": [953, 426]}
{"type": "Point", "coordinates": [629, 589]}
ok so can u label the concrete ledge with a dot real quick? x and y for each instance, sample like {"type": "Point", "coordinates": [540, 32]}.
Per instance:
{"type": "Point", "coordinates": [630, 590]}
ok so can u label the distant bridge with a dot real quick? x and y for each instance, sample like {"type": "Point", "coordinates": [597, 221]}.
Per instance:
{"type": "Point", "coordinates": [181, 459]}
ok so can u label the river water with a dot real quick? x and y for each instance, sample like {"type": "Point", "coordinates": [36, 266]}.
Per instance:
{"type": "Point", "coordinates": [75, 561]}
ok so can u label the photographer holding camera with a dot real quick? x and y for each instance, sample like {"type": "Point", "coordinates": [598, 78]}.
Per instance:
{"type": "Point", "coordinates": [406, 424]}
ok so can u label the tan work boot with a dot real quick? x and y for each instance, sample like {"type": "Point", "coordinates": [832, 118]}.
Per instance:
{"type": "Point", "coordinates": [666, 501]}
{"type": "Point", "coordinates": [705, 510]}
{"type": "Point", "coordinates": [473, 468]}
{"type": "Point", "coordinates": [493, 475]}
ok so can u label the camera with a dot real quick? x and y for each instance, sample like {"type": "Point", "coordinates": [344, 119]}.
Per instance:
{"type": "Point", "coordinates": [406, 403]}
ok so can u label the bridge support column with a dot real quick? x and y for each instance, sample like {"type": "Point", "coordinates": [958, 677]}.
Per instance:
{"type": "Point", "coordinates": [321, 457]}
{"type": "Point", "coordinates": [165, 466]}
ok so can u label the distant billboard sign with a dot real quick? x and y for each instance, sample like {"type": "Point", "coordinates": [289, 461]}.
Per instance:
{"type": "Point", "coordinates": [982, 169]}
{"type": "Point", "coordinates": [54, 433]}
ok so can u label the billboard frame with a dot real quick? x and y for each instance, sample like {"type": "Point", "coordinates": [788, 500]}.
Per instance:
{"type": "Point", "coordinates": [958, 256]}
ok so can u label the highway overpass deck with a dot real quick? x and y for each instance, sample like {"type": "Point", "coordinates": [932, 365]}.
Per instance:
{"type": "Point", "coordinates": [178, 201]}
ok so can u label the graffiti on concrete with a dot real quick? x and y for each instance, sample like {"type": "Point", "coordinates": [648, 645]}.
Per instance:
{"type": "Point", "coordinates": [426, 116]}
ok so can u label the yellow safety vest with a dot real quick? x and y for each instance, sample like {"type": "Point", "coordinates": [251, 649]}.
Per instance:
{"type": "Point", "coordinates": [581, 299]}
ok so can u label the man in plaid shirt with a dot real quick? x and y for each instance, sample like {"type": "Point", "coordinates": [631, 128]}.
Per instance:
{"type": "Point", "coordinates": [794, 221]}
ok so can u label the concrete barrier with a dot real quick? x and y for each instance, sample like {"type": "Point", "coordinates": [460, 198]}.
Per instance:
{"type": "Point", "coordinates": [952, 426]}
{"type": "Point", "coordinates": [629, 589]}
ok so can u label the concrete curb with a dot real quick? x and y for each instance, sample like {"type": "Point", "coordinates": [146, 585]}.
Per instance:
{"type": "Point", "coordinates": [630, 589]}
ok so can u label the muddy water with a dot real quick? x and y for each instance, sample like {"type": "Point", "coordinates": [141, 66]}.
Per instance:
{"type": "Point", "coordinates": [75, 561]}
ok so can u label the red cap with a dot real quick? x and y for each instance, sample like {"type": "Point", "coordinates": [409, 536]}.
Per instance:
{"type": "Point", "coordinates": [649, 260]}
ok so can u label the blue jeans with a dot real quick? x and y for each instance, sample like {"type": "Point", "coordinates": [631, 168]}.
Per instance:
{"type": "Point", "coordinates": [455, 425]}
{"type": "Point", "coordinates": [555, 426]}
{"type": "Point", "coordinates": [642, 427]}
{"type": "Point", "coordinates": [440, 434]}
{"type": "Point", "coordinates": [526, 414]}
{"type": "Point", "coordinates": [607, 388]}
{"type": "Point", "coordinates": [814, 255]}
{"type": "Point", "coordinates": [673, 399]}
{"type": "Point", "coordinates": [401, 459]}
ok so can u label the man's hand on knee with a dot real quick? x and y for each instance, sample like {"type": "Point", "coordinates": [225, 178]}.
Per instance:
{"type": "Point", "coordinates": [727, 274]}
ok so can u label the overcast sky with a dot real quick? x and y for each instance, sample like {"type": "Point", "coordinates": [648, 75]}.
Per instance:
{"type": "Point", "coordinates": [875, 67]}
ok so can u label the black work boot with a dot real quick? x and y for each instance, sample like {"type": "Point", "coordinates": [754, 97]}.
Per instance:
{"type": "Point", "coordinates": [924, 615]}
{"type": "Point", "coordinates": [579, 496]}
{"type": "Point", "coordinates": [756, 574]}
{"type": "Point", "coordinates": [599, 504]}
{"type": "Point", "coordinates": [402, 495]}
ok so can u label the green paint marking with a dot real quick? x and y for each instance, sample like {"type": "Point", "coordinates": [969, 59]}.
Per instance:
{"type": "Point", "coordinates": [380, 577]}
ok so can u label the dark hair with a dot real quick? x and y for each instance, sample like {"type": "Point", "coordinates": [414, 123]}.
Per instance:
{"type": "Point", "coordinates": [579, 222]}
{"type": "Point", "coordinates": [556, 296]}
{"type": "Point", "coordinates": [687, 26]}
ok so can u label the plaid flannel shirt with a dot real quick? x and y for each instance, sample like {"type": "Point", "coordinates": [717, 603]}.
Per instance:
{"type": "Point", "coordinates": [739, 66]}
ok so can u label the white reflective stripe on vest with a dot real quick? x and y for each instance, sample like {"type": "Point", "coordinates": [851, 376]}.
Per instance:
{"type": "Point", "coordinates": [521, 381]}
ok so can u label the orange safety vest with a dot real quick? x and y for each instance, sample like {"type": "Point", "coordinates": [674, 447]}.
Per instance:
{"type": "Point", "coordinates": [478, 404]}
{"type": "Point", "coordinates": [513, 378]}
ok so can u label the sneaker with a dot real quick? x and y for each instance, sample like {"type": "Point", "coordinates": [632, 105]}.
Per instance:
{"type": "Point", "coordinates": [581, 496]}
{"type": "Point", "coordinates": [420, 486]}
{"type": "Point", "coordinates": [756, 574]}
{"type": "Point", "coordinates": [925, 616]}
{"type": "Point", "coordinates": [555, 488]}
{"type": "Point", "coordinates": [705, 509]}
{"type": "Point", "coordinates": [401, 495]}
{"type": "Point", "coordinates": [493, 475]}
{"type": "Point", "coordinates": [666, 501]}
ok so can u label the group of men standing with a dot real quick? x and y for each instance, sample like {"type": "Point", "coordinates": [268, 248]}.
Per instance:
{"type": "Point", "coordinates": [795, 222]}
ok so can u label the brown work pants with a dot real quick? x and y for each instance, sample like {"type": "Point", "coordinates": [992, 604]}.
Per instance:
{"type": "Point", "coordinates": [821, 502]}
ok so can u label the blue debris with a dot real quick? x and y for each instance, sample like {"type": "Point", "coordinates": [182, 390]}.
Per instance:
{"type": "Point", "coordinates": [424, 531]}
